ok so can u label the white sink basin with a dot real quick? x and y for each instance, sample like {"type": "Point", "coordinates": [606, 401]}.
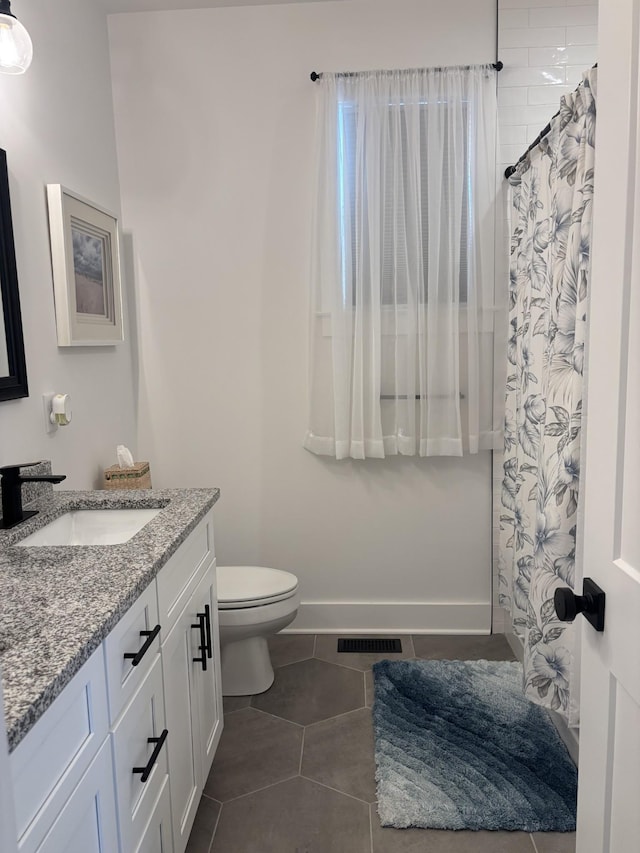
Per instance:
{"type": "Point", "coordinates": [91, 527]}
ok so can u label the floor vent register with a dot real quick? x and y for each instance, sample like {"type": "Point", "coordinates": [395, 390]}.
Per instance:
{"type": "Point", "coordinates": [384, 645]}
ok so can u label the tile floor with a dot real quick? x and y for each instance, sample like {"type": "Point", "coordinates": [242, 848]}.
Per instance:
{"type": "Point", "coordinates": [294, 771]}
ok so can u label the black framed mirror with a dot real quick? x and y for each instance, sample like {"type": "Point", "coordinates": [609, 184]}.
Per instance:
{"type": "Point", "coordinates": [13, 369]}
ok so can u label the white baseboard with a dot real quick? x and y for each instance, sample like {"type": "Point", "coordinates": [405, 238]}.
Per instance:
{"type": "Point", "coordinates": [352, 617]}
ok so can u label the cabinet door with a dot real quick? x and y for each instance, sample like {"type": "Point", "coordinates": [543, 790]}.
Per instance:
{"type": "Point", "coordinates": [208, 682]}
{"type": "Point", "coordinates": [185, 768]}
{"type": "Point", "coordinates": [87, 822]}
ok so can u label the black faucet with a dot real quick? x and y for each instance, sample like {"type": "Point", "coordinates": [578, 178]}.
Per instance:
{"type": "Point", "coordinates": [11, 483]}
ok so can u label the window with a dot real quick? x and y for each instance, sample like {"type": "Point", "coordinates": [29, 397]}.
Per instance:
{"type": "Point", "coordinates": [402, 266]}
{"type": "Point", "coordinates": [399, 205]}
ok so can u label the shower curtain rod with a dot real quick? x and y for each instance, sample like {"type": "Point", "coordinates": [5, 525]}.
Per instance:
{"type": "Point", "coordinates": [317, 75]}
{"type": "Point", "coordinates": [511, 169]}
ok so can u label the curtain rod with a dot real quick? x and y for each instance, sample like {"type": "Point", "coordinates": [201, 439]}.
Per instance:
{"type": "Point", "coordinates": [317, 75]}
{"type": "Point", "coordinates": [545, 130]}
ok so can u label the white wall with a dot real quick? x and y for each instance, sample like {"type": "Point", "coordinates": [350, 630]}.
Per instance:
{"type": "Point", "coordinates": [56, 125]}
{"type": "Point", "coordinates": [545, 45]}
{"type": "Point", "coordinates": [215, 157]}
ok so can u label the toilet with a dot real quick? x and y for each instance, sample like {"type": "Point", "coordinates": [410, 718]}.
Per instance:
{"type": "Point", "coordinates": [253, 603]}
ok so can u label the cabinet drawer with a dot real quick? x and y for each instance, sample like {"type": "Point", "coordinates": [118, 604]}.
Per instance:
{"type": "Point", "coordinates": [157, 836]}
{"type": "Point", "coordinates": [87, 822]}
{"type": "Point", "coordinates": [143, 718]}
{"type": "Point", "coordinates": [125, 674]}
{"type": "Point", "coordinates": [180, 575]}
{"type": "Point", "coordinates": [50, 761]}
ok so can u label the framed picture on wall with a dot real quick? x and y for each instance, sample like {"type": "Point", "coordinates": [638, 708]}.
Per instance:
{"type": "Point", "coordinates": [85, 255]}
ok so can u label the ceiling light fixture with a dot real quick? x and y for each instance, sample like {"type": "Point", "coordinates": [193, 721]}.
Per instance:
{"type": "Point", "coordinates": [16, 50]}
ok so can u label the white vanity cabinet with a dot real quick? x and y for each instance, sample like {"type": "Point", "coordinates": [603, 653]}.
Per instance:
{"type": "Point", "coordinates": [118, 762]}
{"type": "Point", "coordinates": [191, 670]}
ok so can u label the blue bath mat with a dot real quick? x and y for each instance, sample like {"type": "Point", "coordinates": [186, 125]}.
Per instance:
{"type": "Point", "coordinates": [458, 746]}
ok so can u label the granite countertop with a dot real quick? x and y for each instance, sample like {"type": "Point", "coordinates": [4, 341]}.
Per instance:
{"type": "Point", "coordinates": [58, 603]}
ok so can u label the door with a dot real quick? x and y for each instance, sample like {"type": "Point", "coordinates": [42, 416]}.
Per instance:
{"type": "Point", "coordinates": [609, 777]}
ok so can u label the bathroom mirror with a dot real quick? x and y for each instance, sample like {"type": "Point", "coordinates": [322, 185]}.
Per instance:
{"type": "Point", "coordinates": [13, 371]}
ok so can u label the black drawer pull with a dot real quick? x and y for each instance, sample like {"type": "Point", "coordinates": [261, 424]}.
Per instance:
{"type": "Point", "coordinates": [207, 623]}
{"type": "Point", "coordinates": [136, 657]}
{"type": "Point", "coordinates": [146, 771]}
{"type": "Point", "coordinates": [203, 643]}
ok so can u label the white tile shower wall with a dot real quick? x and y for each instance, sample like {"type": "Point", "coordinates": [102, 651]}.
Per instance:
{"type": "Point", "coordinates": [545, 46]}
{"type": "Point", "coordinates": [544, 55]}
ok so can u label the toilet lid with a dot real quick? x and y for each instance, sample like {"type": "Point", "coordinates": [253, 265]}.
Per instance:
{"type": "Point", "coordinates": [252, 586]}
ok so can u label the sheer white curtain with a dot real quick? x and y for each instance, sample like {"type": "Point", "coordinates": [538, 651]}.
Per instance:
{"type": "Point", "coordinates": [402, 267]}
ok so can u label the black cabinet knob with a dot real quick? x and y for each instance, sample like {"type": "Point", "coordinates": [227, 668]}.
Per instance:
{"type": "Point", "coordinates": [591, 603]}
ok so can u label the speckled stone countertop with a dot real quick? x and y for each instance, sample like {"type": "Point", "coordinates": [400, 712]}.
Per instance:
{"type": "Point", "coordinates": [58, 603]}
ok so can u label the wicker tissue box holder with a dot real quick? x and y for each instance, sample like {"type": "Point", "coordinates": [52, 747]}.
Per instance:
{"type": "Point", "coordinates": [138, 477]}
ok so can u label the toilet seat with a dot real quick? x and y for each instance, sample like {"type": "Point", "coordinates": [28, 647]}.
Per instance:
{"type": "Point", "coordinates": [241, 587]}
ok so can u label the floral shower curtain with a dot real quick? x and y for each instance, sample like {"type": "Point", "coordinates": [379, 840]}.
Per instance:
{"type": "Point", "coordinates": [549, 277]}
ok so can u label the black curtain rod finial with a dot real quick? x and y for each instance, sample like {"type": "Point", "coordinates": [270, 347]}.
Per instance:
{"type": "Point", "coordinates": [498, 65]}
{"type": "Point", "coordinates": [313, 76]}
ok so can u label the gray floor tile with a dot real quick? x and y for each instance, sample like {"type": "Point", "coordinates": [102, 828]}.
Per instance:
{"type": "Point", "coordinates": [339, 753]}
{"type": "Point", "coordinates": [312, 690]}
{"type": "Point", "coordinates": [235, 703]}
{"type": "Point", "coordinates": [555, 842]}
{"type": "Point", "coordinates": [438, 841]}
{"type": "Point", "coordinates": [368, 689]}
{"type": "Point", "coordinates": [289, 648]}
{"type": "Point", "coordinates": [326, 649]}
{"type": "Point", "coordinates": [297, 816]}
{"type": "Point", "coordinates": [203, 826]}
{"type": "Point", "coordinates": [255, 750]}
{"type": "Point", "coordinates": [462, 647]}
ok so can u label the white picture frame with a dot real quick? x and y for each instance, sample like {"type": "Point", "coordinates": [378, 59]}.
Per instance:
{"type": "Point", "coordinates": [85, 258]}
